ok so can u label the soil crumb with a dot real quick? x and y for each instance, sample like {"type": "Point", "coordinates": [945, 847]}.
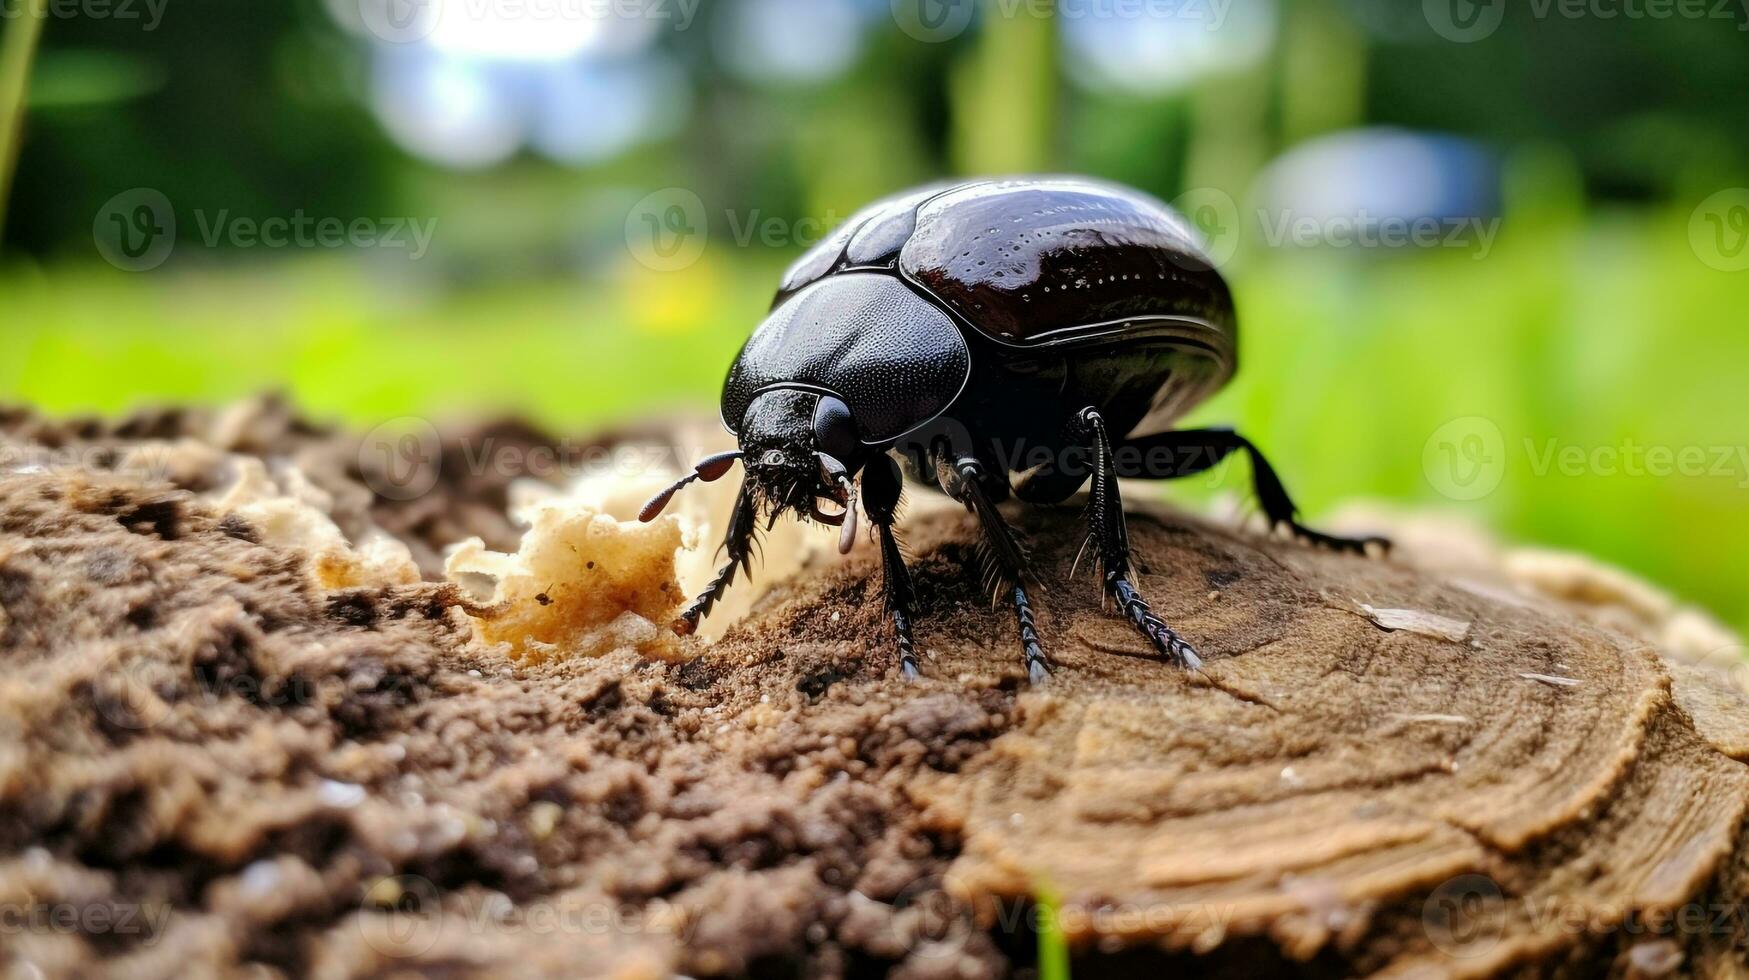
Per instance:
{"type": "Point", "coordinates": [220, 759]}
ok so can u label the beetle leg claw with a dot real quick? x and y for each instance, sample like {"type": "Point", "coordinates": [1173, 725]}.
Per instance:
{"type": "Point", "coordinates": [1166, 642]}
{"type": "Point", "coordinates": [1355, 546]}
{"type": "Point", "coordinates": [907, 652]}
{"type": "Point", "coordinates": [1037, 666]}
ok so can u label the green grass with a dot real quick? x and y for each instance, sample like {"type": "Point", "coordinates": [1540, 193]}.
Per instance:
{"type": "Point", "coordinates": [92, 339]}
{"type": "Point", "coordinates": [1589, 335]}
{"type": "Point", "coordinates": [1053, 947]}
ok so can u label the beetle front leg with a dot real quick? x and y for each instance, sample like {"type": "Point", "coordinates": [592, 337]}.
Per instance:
{"type": "Point", "coordinates": [1109, 535]}
{"type": "Point", "coordinates": [881, 486]}
{"type": "Point", "coordinates": [963, 479]}
{"type": "Point", "coordinates": [738, 545]}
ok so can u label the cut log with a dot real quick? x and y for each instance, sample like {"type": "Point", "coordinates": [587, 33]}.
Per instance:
{"type": "Point", "coordinates": [210, 763]}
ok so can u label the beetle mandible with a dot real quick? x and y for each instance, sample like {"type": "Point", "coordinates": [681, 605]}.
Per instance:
{"type": "Point", "coordinates": [1052, 327]}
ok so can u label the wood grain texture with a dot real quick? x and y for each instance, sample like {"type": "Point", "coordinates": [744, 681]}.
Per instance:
{"type": "Point", "coordinates": [347, 784]}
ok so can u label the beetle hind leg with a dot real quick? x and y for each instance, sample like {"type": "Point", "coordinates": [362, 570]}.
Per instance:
{"type": "Point", "coordinates": [1187, 452]}
{"type": "Point", "coordinates": [1109, 537]}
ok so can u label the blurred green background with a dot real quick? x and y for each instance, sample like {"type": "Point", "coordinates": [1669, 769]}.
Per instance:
{"type": "Point", "coordinates": [611, 189]}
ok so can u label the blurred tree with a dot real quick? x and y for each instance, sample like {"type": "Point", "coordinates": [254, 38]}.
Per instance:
{"type": "Point", "coordinates": [258, 109]}
{"type": "Point", "coordinates": [16, 54]}
{"type": "Point", "coordinates": [1323, 71]}
{"type": "Point", "coordinates": [214, 103]}
{"type": "Point", "coordinates": [1640, 101]}
{"type": "Point", "coordinates": [1004, 94]}
{"type": "Point", "coordinates": [1230, 135]}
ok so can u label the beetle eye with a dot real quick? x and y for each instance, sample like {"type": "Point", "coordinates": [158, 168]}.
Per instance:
{"type": "Point", "coordinates": [834, 430]}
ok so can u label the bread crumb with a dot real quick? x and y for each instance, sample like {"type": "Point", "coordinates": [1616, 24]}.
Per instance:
{"type": "Point", "coordinates": [287, 510]}
{"type": "Point", "coordinates": [580, 584]}
{"type": "Point", "coordinates": [702, 510]}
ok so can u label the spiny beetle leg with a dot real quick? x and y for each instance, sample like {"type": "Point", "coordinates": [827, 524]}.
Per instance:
{"type": "Point", "coordinates": [1135, 609]}
{"type": "Point", "coordinates": [738, 545]}
{"type": "Point", "coordinates": [1037, 667]}
{"type": "Point", "coordinates": [963, 479]}
{"type": "Point", "coordinates": [1187, 452]}
{"type": "Point", "coordinates": [882, 485]}
{"type": "Point", "coordinates": [907, 651]}
{"type": "Point", "coordinates": [1110, 538]}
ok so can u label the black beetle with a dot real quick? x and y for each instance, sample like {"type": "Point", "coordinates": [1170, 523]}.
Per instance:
{"type": "Point", "coordinates": [974, 331]}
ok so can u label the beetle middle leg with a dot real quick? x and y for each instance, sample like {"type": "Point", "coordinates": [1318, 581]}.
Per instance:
{"type": "Point", "coordinates": [1109, 536]}
{"type": "Point", "coordinates": [881, 486]}
{"type": "Point", "coordinates": [963, 477]}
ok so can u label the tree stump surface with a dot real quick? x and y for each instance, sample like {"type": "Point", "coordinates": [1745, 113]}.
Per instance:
{"type": "Point", "coordinates": [211, 764]}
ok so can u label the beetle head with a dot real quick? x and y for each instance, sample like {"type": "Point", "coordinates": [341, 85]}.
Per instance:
{"type": "Point", "coordinates": [799, 447]}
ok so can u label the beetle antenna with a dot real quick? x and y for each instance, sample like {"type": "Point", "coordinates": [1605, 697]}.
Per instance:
{"type": "Point", "coordinates": [708, 469]}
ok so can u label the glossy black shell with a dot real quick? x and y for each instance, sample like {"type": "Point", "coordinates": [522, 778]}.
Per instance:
{"type": "Point", "coordinates": [1075, 289]}
{"type": "Point", "coordinates": [893, 356]}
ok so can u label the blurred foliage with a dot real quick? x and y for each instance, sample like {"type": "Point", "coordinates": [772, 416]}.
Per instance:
{"type": "Point", "coordinates": [1591, 322]}
{"type": "Point", "coordinates": [1581, 331]}
{"type": "Point", "coordinates": [261, 108]}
